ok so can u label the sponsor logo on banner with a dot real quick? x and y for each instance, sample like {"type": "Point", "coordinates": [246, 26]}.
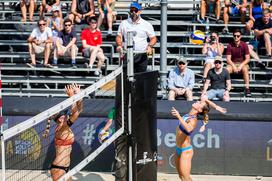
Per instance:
{"type": "Point", "coordinates": [27, 144]}
{"type": "Point", "coordinates": [88, 134]}
{"type": "Point", "coordinates": [206, 140]}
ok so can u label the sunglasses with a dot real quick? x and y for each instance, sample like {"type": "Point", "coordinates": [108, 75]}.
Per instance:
{"type": "Point", "coordinates": [217, 62]}
{"type": "Point", "coordinates": [181, 63]}
{"type": "Point", "coordinates": [42, 24]}
{"type": "Point", "coordinates": [93, 22]}
{"type": "Point", "coordinates": [134, 10]}
{"type": "Point", "coordinates": [238, 36]}
{"type": "Point", "coordinates": [67, 25]}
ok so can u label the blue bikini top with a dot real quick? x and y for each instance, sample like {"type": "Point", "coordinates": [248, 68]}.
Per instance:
{"type": "Point", "coordinates": [185, 118]}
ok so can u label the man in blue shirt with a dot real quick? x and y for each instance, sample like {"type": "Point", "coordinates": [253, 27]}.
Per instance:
{"type": "Point", "coordinates": [66, 44]}
{"type": "Point", "coordinates": [181, 81]}
{"type": "Point", "coordinates": [263, 31]}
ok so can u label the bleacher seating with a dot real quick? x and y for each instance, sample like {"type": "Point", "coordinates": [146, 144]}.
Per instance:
{"type": "Point", "coordinates": [20, 80]}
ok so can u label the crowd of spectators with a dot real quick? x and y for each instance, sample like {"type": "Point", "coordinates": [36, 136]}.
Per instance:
{"type": "Point", "coordinates": [237, 52]}
{"type": "Point", "coordinates": [58, 36]}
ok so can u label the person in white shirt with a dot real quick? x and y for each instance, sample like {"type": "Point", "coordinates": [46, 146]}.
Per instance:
{"type": "Point", "coordinates": [40, 41]}
{"type": "Point", "coordinates": [143, 30]}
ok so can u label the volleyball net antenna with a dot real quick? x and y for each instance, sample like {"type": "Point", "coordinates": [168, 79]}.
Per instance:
{"type": "Point", "coordinates": [27, 155]}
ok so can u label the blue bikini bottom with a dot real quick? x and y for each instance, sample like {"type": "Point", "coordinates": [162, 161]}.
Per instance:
{"type": "Point", "coordinates": [180, 150]}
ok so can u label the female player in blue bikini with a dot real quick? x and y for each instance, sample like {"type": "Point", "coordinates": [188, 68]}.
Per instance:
{"type": "Point", "coordinates": [187, 124]}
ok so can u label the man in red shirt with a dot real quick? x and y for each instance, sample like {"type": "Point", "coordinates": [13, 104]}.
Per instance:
{"type": "Point", "coordinates": [91, 41]}
{"type": "Point", "coordinates": [238, 58]}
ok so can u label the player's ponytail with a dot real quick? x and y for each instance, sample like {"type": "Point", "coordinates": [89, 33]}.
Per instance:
{"type": "Point", "coordinates": [47, 129]}
{"type": "Point", "coordinates": [205, 120]}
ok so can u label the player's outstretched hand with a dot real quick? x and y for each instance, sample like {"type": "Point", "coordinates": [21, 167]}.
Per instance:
{"type": "Point", "coordinates": [175, 112]}
{"type": "Point", "coordinates": [221, 109]}
{"type": "Point", "coordinates": [76, 88]}
{"type": "Point", "coordinates": [69, 90]}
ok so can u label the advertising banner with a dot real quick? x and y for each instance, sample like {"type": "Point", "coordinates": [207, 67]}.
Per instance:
{"type": "Point", "coordinates": [226, 147]}
{"type": "Point", "coordinates": [29, 150]}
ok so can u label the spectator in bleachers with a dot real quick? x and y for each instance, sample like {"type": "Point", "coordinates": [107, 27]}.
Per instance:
{"type": "Point", "coordinates": [213, 6]}
{"type": "Point", "coordinates": [219, 78]}
{"type": "Point", "coordinates": [81, 10]}
{"type": "Point", "coordinates": [253, 49]}
{"type": "Point", "coordinates": [211, 49]}
{"type": "Point", "coordinates": [91, 42]}
{"type": "Point", "coordinates": [181, 81]}
{"type": "Point", "coordinates": [234, 7]}
{"type": "Point", "coordinates": [270, 6]}
{"type": "Point", "coordinates": [256, 8]}
{"type": "Point", "coordinates": [55, 22]}
{"type": "Point", "coordinates": [263, 31]}
{"type": "Point", "coordinates": [40, 41]}
{"type": "Point", "coordinates": [143, 31]}
{"type": "Point", "coordinates": [107, 11]}
{"type": "Point", "coordinates": [66, 43]}
{"type": "Point", "coordinates": [47, 5]}
{"type": "Point", "coordinates": [238, 58]}
{"type": "Point", "coordinates": [31, 4]}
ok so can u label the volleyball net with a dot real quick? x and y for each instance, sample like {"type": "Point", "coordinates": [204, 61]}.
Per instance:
{"type": "Point", "coordinates": [27, 155]}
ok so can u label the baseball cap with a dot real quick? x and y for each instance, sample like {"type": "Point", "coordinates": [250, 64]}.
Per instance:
{"type": "Point", "coordinates": [55, 8]}
{"type": "Point", "coordinates": [136, 5]}
{"type": "Point", "coordinates": [218, 58]}
{"type": "Point", "coordinates": [181, 59]}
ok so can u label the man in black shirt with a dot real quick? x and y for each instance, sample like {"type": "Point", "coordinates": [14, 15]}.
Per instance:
{"type": "Point", "coordinates": [66, 43]}
{"type": "Point", "coordinates": [81, 10]}
{"type": "Point", "coordinates": [263, 31]}
{"type": "Point", "coordinates": [219, 78]}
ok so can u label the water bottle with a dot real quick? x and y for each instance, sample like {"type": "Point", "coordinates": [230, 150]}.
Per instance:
{"type": "Point", "coordinates": [207, 26]}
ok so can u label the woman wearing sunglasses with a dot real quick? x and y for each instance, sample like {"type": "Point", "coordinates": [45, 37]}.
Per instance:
{"type": "Point", "coordinates": [211, 49]}
{"type": "Point", "coordinates": [219, 78]}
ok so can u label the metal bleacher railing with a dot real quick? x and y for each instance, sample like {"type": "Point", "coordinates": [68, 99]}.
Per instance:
{"type": "Point", "coordinates": [27, 82]}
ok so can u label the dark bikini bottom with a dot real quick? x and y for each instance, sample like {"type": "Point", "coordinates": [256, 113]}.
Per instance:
{"type": "Point", "coordinates": [66, 169]}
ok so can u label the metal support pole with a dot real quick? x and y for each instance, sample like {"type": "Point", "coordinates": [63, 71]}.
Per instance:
{"type": "Point", "coordinates": [163, 48]}
{"type": "Point", "coordinates": [1, 132]}
{"type": "Point", "coordinates": [130, 62]}
{"type": "Point", "coordinates": [3, 156]}
{"type": "Point", "coordinates": [130, 73]}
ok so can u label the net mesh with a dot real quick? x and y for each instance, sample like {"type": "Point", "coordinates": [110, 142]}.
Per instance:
{"type": "Point", "coordinates": [28, 155]}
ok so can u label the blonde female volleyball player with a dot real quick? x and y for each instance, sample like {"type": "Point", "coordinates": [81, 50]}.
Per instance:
{"type": "Point", "coordinates": [64, 136]}
{"type": "Point", "coordinates": [187, 124]}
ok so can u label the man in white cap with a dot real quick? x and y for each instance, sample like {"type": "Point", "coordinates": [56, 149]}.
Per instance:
{"type": "Point", "coordinates": [219, 78]}
{"type": "Point", "coordinates": [143, 30]}
{"type": "Point", "coordinates": [181, 81]}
